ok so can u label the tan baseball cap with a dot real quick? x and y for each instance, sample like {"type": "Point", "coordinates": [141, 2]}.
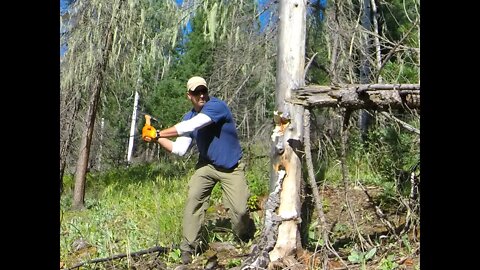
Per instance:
{"type": "Point", "coordinates": [194, 82]}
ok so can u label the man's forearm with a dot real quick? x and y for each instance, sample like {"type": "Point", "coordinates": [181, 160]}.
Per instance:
{"type": "Point", "coordinates": [182, 143]}
{"type": "Point", "coordinates": [166, 143]}
{"type": "Point", "coordinates": [178, 147]}
{"type": "Point", "coordinates": [168, 132]}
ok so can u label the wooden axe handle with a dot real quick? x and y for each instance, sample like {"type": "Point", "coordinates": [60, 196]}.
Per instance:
{"type": "Point", "coordinates": [147, 119]}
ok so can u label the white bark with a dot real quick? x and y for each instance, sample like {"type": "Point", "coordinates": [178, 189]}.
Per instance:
{"type": "Point", "coordinates": [290, 71]}
{"type": "Point", "coordinates": [132, 127]}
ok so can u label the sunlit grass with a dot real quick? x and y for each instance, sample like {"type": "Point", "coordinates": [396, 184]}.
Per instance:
{"type": "Point", "coordinates": [124, 215]}
{"type": "Point", "coordinates": [131, 209]}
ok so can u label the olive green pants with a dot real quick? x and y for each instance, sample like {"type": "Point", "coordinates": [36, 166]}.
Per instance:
{"type": "Point", "coordinates": [235, 194]}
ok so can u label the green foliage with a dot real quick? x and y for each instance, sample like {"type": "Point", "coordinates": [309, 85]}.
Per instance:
{"type": "Point", "coordinates": [126, 210]}
{"type": "Point", "coordinates": [195, 54]}
{"type": "Point", "coordinates": [397, 17]}
{"type": "Point", "coordinates": [175, 255]}
{"type": "Point", "coordinates": [388, 263]}
{"type": "Point", "coordinates": [386, 160]}
{"type": "Point", "coordinates": [257, 169]}
{"type": "Point", "coordinates": [138, 54]}
{"type": "Point", "coordinates": [233, 263]}
{"type": "Point", "coordinates": [316, 43]}
{"type": "Point", "coordinates": [257, 181]}
{"type": "Point", "coordinates": [168, 102]}
{"type": "Point", "coordinates": [257, 220]}
{"type": "Point", "coordinates": [252, 203]}
{"type": "Point", "coordinates": [406, 243]}
{"type": "Point", "coordinates": [311, 232]}
{"type": "Point", "coordinates": [361, 257]}
{"type": "Point", "coordinates": [397, 21]}
{"type": "Point", "coordinates": [340, 230]}
{"type": "Point", "coordinates": [314, 234]}
{"type": "Point", "coordinates": [325, 205]}
{"type": "Point", "coordinates": [395, 151]}
{"type": "Point", "coordinates": [130, 209]}
{"type": "Point", "coordinates": [221, 236]}
{"type": "Point", "coordinates": [192, 56]}
{"type": "Point", "coordinates": [216, 196]}
{"type": "Point", "coordinates": [401, 70]}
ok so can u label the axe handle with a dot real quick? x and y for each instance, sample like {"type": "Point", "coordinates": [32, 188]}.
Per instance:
{"type": "Point", "coordinates": [147, 119]}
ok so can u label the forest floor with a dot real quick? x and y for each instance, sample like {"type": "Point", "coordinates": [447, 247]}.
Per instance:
{"type": "Point", "coordinates": [366, 233]}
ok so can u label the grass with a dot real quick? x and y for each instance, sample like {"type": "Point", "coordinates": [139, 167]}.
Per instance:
{"type": "Point", "coordinates": [135, 208]}
{"type": "Point", "coordinates": [123, 214]}
{"type": "Point", "coordinates": [131, 209]}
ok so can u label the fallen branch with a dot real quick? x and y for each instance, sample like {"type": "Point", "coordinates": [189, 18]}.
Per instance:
{"type": "Point", "coordinates": [403, 124]}
{"type": "Point", "coordinates": [123, 255]}
{"type": "Point", "coordinates": [359, 96]}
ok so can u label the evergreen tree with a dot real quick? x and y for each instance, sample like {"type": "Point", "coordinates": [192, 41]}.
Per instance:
{"type": "Point", "coordinates": [192, 56]}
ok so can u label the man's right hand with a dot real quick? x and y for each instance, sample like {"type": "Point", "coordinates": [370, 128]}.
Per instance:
{"type": "Point", "coordinates": [149, 133]}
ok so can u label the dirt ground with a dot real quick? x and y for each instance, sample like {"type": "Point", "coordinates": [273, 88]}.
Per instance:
{"type": "Point", "coordinates": [351, 225]}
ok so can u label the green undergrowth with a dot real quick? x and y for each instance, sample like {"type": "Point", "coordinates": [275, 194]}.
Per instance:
{"type": "Point", "coordinates": [126, 210]}
{"type": "Point", "coordinates": [386, 160]}
{"type": "Point", "coordinates": [136, 208]}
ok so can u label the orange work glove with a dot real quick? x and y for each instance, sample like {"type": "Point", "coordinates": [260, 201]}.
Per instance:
{"type": "Point", "coordinates": [148, 131]}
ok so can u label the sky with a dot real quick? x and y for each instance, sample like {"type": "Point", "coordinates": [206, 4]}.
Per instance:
{"type": "Point", "coordinates": [63, 8]}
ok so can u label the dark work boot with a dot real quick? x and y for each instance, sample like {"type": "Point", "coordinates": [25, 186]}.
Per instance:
{"type": "Point", "coordinates": [249, 232]}
{"type": "Point", "coordinates": [186, 257]}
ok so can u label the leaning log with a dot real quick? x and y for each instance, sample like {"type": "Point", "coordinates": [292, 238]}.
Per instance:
{"type": "Point", "coordinates": [363, 96]}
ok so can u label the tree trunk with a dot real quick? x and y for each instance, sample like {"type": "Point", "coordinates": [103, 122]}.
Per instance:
{"type": "Point", "coordinates": [376, 40]}
{"type": "Point", "coordinates": [290, 76]}
{"type": "Point", "coordinates": [365, 118]}
{"type": "Point", "coordinates": [67, 143]}
{"type": "Point", "coordinates": [281, 235]}
{"type": "Point", "coordinates": [84, 153]}
{"type": "Point", "coordinates": [132, 127]}
{"type": "Point", "coordinates": [82, 162]}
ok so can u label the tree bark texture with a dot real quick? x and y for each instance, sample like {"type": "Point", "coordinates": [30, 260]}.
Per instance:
{"type": "Point", "coordinates": [82, 162]}
{"type": "Point", "coordinates": [365, 118]}
{"type": "Point", "coordinates": [353, 97]}
{"type": "Point", "coordinates": [283, 207]}
{"type": "Point", "coordinates": [84, 152]}
{"type": "Point", "coordinates": [69, 127]}
{"type": "Point", "coordinates": [287, 137]}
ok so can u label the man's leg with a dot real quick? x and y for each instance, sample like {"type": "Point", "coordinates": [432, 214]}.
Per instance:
{"type": "Point", "coordinates": [199, 189]}
{"type": "Point", "coordinates": [235, 198]}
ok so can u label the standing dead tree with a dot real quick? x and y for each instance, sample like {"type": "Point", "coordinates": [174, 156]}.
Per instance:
{"type": "Point", "coordinates": [348, 97]}
{"type": "Point", "coordinates": [281, 233]}
{"type": "Point", "coordinates": [280, 239]}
